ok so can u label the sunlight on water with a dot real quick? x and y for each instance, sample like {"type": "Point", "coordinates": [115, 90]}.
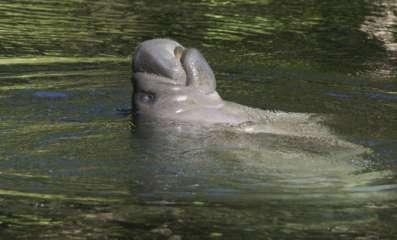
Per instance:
{"type": "Point", "coordinates": [382, 26]}
{"type": "Point", "coordinates": [52, 60]}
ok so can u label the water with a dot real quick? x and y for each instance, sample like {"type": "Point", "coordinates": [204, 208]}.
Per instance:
{"type": "Point", "coordinates": [71, 166]}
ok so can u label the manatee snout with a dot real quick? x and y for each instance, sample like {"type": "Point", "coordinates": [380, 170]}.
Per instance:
{"type": "Point", "coordinates": [181, 66]}
{"type": "Point", "coordinates": [176, 83]}
{"type": "Point", "coordinates": [157, 57]}
{"type": "Point", "coordinates": [198, 72]}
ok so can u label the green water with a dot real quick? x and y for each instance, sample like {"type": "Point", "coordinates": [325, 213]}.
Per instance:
{"type": "Point", "coordinates": [71, 167]}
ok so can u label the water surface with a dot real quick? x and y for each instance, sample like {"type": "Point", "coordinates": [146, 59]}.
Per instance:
{"type": "Point", "coordinates": [72, 167]}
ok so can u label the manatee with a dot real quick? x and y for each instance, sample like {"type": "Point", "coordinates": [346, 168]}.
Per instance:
{"type": "Point", "coordinates": [198, 142]}
{"type": "Point", "coordinates": [174, 83]}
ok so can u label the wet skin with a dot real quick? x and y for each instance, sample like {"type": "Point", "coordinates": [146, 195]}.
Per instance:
{"type": "Point", "coordinates": [175, 83]}
{"type": "Point", "coordinates": [172, 83]}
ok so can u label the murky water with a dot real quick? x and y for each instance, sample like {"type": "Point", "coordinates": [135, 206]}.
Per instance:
{"type": "Point", "coordinates": [71, 167]}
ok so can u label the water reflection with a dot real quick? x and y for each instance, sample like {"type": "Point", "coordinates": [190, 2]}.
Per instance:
{"type": "Point", "coordinates": [382, 26]}
{"type": "Point", "coordinates": [69, 167]}
{"type": "Point", "coordinates": [305, 32]}
{"type": "Point", "coordinates": [263, 176]}
{"type": "Point", "coordinates": [196, 162]}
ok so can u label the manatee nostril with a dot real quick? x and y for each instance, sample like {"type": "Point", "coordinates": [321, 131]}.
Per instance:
{"type": "Point", "coordinates": [158, 59]}
{"type": "Point", "coordinates": [178, 52]}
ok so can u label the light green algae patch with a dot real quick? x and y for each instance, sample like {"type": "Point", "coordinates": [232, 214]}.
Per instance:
{"type": "Point", "coordinates": [29, 220]}
{"type": "Point", "coordinates": [52, 60]}
{"type": "Point", "coordinates": [59, 74]}
{"type": "Point", "coordinates": [24, 175]}
{"type": "Point", "coordinates": [59, 197]}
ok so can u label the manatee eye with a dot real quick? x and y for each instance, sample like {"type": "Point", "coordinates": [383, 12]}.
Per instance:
{"type": "Point", "coordinates": [147, 97]}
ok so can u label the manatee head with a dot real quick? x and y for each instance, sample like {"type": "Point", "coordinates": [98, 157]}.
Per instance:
{"type": "Point", "coordinates": [171, 81]}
